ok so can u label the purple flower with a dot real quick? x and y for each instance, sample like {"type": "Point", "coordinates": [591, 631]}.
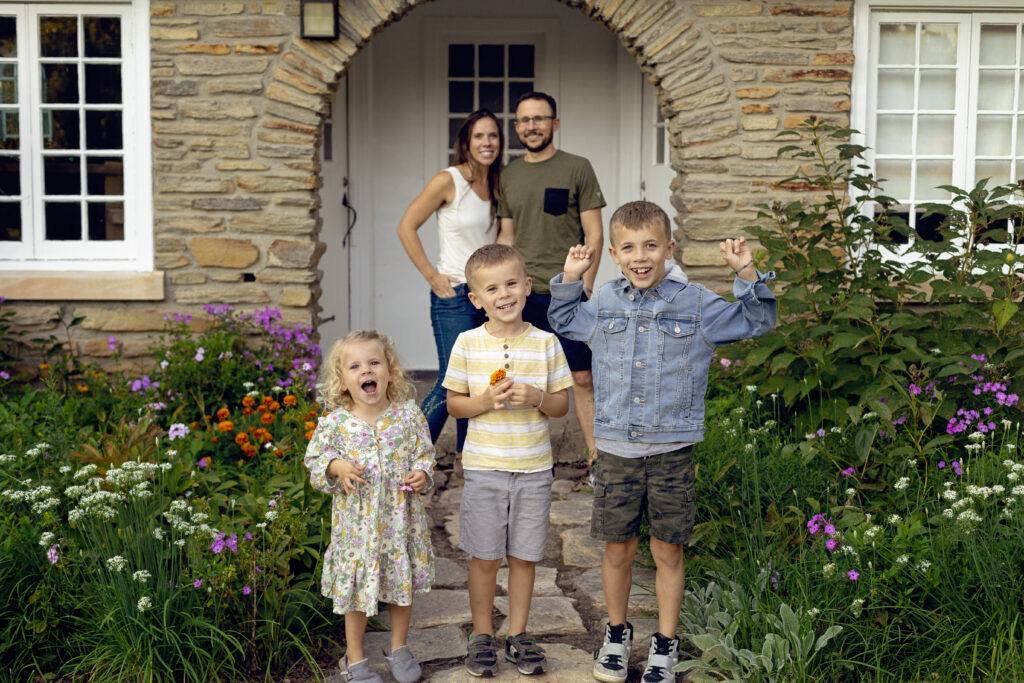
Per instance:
{"type": "Point", "coordinates": [112, 343]}
{"type": "Point", "coordinates": [820, 432]}
{"type": "Point", "coordinates": [853, 575]}
{"type": "Point", "coordinates": [980, 357]}
{"type": "Point", "coordinates": [849, 471]}
{"type": "Point", "coordinates": [218, 545]}
{"type": "Point", "coordinates": [178, 430]}
{"type": "Point", "coordinates": [272, 503]}
{"type": "Point", "coordinates": [246, 590]}
{"type": "Point", "coordinates": [53, 554]}
{"type": "Point", "coordinates": [231, 543]}
{"type": "Point", "coordinates": [957, 469]}
{"type": "Point", "coordinates": [200, 354]}
{"type": "Point", "coordinates": [830, 529]}
{"type": "Point", "coordinates": [914, 389]}
{"type": "Point", "coordinates": [942, 464]}
{"type": "Point", "coordinates": [4, 375]}
{"type": "Point", "coordinates": [258, 570]}
{"type": "Point", "coordinates": [197, 583]}
{"type": "Point", "coordinates": [248, 536]}
{"type": "Point", "coordinates": [831, 544]}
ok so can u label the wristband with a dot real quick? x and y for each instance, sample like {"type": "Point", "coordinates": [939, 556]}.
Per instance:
{"type": "Point", "coordinates": [743, 267]}
{"type": "Point", "coordinates": [537, 407]}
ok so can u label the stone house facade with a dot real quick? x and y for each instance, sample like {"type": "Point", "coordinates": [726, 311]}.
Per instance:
{"type": "Point", "coordinates": [232, 114]}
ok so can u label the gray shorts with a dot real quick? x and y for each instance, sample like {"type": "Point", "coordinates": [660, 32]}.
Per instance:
{"type": "Point", "coordinates": [505, 513]}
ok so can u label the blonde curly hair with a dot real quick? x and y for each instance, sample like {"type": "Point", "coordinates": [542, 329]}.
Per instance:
{"type": "Point", "coordinates": [331, 388]}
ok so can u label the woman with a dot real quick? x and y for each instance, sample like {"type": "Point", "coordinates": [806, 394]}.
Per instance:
{"type": "Point", "coordinates": [465, 197]}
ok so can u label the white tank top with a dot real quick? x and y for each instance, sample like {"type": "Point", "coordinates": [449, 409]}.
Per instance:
{"type": "Point", "coordinates": [462, 227]}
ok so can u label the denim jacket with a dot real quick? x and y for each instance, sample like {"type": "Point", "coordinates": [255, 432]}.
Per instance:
{"type": "Point", "coordinates": [652, 348]}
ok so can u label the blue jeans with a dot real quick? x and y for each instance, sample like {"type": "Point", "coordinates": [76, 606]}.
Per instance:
{"type": "Point", "coordinates": [449, 317]}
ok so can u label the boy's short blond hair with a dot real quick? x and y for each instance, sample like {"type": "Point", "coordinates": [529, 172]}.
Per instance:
{"type": "Point", "coordinates": [638, 215]}
{"type": "Point", "coordinates": [492, 255]}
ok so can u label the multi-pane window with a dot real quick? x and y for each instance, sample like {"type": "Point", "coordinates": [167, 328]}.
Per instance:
{"type": "Point", "coordinates": [945, 105]}
{"type": "Point", "coordinates": [489, 76]}
{"type": "Point", "coordinates": [64, 130]}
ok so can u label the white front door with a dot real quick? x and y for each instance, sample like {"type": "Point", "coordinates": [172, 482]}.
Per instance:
{"type": "Point", "coordinates": [334, 296]}
{"type": "Point", "coordinates": [407, 92]}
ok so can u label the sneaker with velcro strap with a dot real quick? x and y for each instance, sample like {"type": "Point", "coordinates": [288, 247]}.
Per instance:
{"type": "Point", "coordinates": [526, 654]}
{"type": "Point", "coordinates": [611, 662]}
{"type": "Point", "coordinates": [482, 656]}
{"type": "Point", "coordinates": [662, 660]}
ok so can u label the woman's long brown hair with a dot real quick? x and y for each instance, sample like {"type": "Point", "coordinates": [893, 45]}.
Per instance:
{"type": "Point", "coordinates": [461, 155]}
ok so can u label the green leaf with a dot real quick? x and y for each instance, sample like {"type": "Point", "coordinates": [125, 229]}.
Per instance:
{"type": "Point", "coordinates": [782, 361]}
{"type": "Point", "coordinates": [862, 444]}
{"type": "Point", "coordinates": [828, 635]}
{"type": "Point", "coordinates": [1003, 310]}
{"type": "Point", "coordinates": [790, 623]}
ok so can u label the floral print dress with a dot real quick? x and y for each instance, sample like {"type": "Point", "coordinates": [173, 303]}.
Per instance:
{"type": "Point", "coordinates": [380, 539]}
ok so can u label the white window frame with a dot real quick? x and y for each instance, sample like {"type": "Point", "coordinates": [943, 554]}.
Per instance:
{"type": "Point", "coordinates": [440, 32]}
{"type": "Point", "coordinates": [135, 252]}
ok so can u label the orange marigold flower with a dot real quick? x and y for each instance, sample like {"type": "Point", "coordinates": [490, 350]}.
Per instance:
{"type": "Point", "coordinates": [267, 400]}
{"type": "Point", "coordinates": [290, 400]}
{"type": "Point", "coordinates": [278, 452]}
{"type": "Point", "coordinates": [311, 425]}
{"type": "Point", "coordinates": [267, 418]}
{"type": "Point", "coordinates": [249, 450]}
{"type": "Point", "coordinates": [44, 366]}
{"type": "Point", "coordinates": [261, 408]}
{"type": "Point", "coordinates": [193, 425]}
{"type": "Point", "coordinates": [309, 435]}
{"type": "Point", "coordinates": [248, 401]}
{"type": "Point", "coordinates": [247, 411]}
{"type": "Point", "coordinates": [275, 406]}
{"type": "Point", "coordinates": [215, 439]}
{"type": "Point", "coordinates": [223, 414]}
{"type": "Point", "coordinates": [241, 438]}
{"type": "Point", "coordinates": [226, 426]}
{"type": "Point", "coordinates": [82, 388]}
{"type": "Point", "coordinates": [263, 435]}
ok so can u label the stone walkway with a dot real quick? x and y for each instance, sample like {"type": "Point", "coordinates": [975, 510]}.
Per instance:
{"type": "Point", "coordinates": [567, 611]}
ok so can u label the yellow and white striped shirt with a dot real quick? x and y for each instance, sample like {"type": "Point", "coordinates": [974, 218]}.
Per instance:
{"type": "Point", "coordinates": [512, 439]}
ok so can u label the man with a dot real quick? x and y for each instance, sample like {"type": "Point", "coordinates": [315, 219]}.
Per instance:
{"type": "Point", "coordinates": [550, 201]}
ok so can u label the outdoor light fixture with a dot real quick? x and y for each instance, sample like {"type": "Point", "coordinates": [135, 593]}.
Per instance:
{"type": "Point", "coordinates": [319, 18]}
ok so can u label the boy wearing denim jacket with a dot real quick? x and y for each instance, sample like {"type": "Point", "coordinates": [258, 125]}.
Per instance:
{"type": "Point", "coordinates": [652, 335]}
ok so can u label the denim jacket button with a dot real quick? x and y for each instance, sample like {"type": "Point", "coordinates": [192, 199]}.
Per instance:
{"type": "Point", "coordinates": [636, 399]}
{"type": "Point", "coordinates": [631, 297]}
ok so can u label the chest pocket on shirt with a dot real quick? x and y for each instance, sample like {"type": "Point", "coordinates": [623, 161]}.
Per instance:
{"type": "Point", "coordinates": [676, 334]}
{"type": "Point", "coordinates": [556, 200]}
{"type": "Point", "coordinates": [612, 338]}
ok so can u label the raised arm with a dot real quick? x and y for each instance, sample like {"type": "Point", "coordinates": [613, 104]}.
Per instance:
{"type": "Point", "coordinates": [593, 232]}
{"type": "Point", "coordinates": [439, 191]}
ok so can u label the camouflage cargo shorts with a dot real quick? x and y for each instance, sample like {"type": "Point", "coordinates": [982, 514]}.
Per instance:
{"type": "Point", "coordinates": [659, 487]}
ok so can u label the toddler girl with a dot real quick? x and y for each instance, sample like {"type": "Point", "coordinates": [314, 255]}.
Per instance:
{"type": "Point", "coordinates": [373, 453]}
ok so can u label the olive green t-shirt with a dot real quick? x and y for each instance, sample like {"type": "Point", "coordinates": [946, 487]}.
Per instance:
{"type": "Point", "coordinates": [544, 201]}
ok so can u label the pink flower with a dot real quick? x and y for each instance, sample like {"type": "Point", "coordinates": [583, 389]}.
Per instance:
{"type": "Point", "coordinates": [246, 590]}
{"type": "Point", "coordinates": [852, 574]}
{"type": "Point", "coordinates": [53, 554]}
{"type": "Point", "coordinates": [197, 583]}
{"type": "Point", "coordinates": [831, 544]}
{"type": "Point", "coordinates": [725, 362]}
{"type": "Point", "coordinates": [830, 530]}
{"type": "Point", "coordinates": [112, 343]}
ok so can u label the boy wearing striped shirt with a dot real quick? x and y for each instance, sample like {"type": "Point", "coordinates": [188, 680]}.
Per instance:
{"type": "Point", "coordinates": [507, 461]}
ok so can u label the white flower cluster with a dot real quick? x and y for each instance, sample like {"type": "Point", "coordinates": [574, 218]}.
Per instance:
{"type": "Point", "coordinates": [38, 449]}
{"type": "Point", "coordinates": [894, 519]}
{"type": "Point", "coordinates": [86, 471]}
{"type": "Point", "coordinates": [141, 576]}
{"type": "Point", "coordinates": [901, 483]}
{"type": "Point", "coordinates": [186, 521]}
{"type": "Point", "coordinates": [856, 606]}
{"type": "Point", "coordinates": [46, 540]}
{"type": "Point", "coordinates": [117, 563]}
{"type": "Point", "coordinates": [872, 532]}
{"type": "Point", "coordinates": [829, 570]}
{"type": "Point", "coordinates": [7, 457]}
{"type": "Point", "coordinates": [144, 603]}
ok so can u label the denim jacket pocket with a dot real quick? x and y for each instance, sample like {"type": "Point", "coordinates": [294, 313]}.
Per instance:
{"type": "Point", "coordinates": [675, 383]}
{"type": "Point", "coordinates": [609, 371]}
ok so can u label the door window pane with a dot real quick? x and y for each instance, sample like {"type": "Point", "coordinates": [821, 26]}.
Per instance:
{"type": "Point", "coordinates": [460, 96]}
{"type": "Point", "coordinates": [8, 37]}
{"type": "Point", "coordinates": [60, 129]}
{"type": "Point", "coordinates": [492, 61]}
{"type": "Point", "coordinates": [492, 95]}
{"type": "Point", "coordinates": [60, 84]}
{"type": "Point", "coordinates": [993, 135]}
{"type": "Point", "coordinates": [897, 44]}
{"type": "Point", "coordinates": [938, 89]}
{"type": "Point", "coordinates": [520, 61]}
{"type": "Point", "coordinates": [998, 171]}
{"type": "Point", "coordinates": [938, 43]}
{"type": "Point", "coordinates": [10, 221]}
{"type": "Point", "coordinates": [930, 174]}
{"type": "Point", "coordinates": [998, 45]}
{"type": "Point", "coordinates": [9, 135]}
{"type": "Point", "coordinates": [106, 221]}
{"type": "Point", "coordinates": [995, 89]}
{"type": "Point", "coordinates": [935, 134]}
{"type": "Point", "coordinates": [105, 176]}
{"type": "Point", "coordinates": [895, 133]}
{"type": "Point", "coordinates": [103, 83]}
{"type": "Point", "coordinates": [63, 221]}
{"type": "Point", "coordinates": [460, 61]}
{"type": "Point", "coordinates": [895, 177]}
{"type": "Point", "coordinates": [9, 83]}
{"type": "Point", "coordinates": [10, 176]}
{"type": "Point", "coordinates": [62, 175]}
{"type": "Point", "coordinates": [103, 130]}
{"type": "Point", "coordinates": [896, 89]}
{"type": "Point", "coordinates": [517, 89]}
{"type": "Point", "coordinates": [58, 36]}
{"type": "Point", "coordinates": [102, 36]}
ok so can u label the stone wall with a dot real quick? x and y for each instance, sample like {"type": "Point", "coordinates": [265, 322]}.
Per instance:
{"type": "Point", "coordinates": [237, 101]}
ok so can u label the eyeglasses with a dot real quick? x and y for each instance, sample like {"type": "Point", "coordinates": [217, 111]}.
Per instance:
{"type": "Point", "coordinates": [527, 120]}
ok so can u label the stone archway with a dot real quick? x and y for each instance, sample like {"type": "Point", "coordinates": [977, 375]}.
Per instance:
{"type": "Point", "coordinates": [238, 101]}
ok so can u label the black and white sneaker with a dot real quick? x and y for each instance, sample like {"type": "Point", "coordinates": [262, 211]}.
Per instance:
{"type": "Point", "coordinates": [611, 662]}
{"type": "Point", "coordinates": [662, 660]}
{"type": "Point", "coordinates": [527, 655]}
